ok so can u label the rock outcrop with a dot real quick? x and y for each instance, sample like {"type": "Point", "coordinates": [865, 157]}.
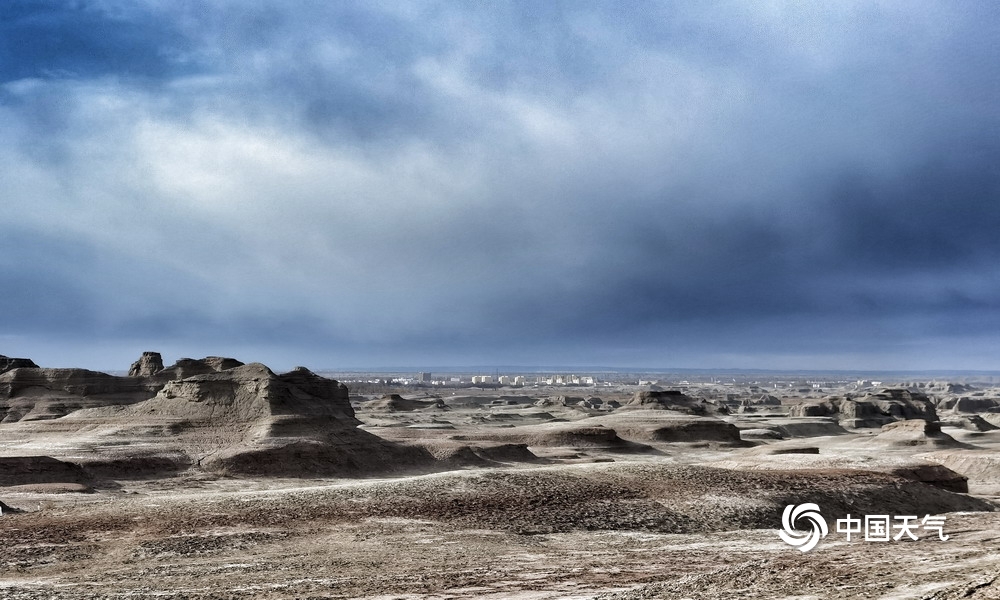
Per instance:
{"type": "Point", "coordinates": [970, 404]}
{"type": "Point", "coordinates": [37, 394]}
{"type": "Point", "coordinates": [30, 393]}
{"type": "Point", "coordinates": [674, 400]}
{"type": "Point", "coordinates": [7, 363]}
{"type": "Point", "coordinates": [903, 404]}
{"type": "Point", "coordinates": [248, 420]}
{"type": "Point", "coordinates": [872, 410]}
{"type": "Point", "coordinates": [190, 367]}
{"type": "Point", "coordinates": [970, 423]}
{"type": "Point", "coordinates": [148, 364]}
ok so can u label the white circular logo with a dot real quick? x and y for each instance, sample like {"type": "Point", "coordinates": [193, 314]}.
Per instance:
{"type": "Point", "coordinates": [804, 541]}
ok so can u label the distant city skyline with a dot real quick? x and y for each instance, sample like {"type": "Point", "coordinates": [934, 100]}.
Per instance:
{"type": "Point", "coordinates": [651, 185]}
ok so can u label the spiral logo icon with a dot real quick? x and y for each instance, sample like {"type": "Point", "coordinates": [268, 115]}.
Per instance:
{"type": "Point", "coordinates": [804, 541]}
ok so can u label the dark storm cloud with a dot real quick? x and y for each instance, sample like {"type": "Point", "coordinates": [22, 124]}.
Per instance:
{"type": "Point", "coordinates": [939, 214]}
{"type": "Point", "coordinates": [707, 184]}
{"type": "Point", "coordinates": [54, 38]}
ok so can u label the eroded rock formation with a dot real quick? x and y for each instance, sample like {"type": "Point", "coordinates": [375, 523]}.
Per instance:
{"type": "Point", "coordinates": [872, 410]}
{"type": "Point", "coordinates": [247, 419]}
{"type": "Point", "coordinates": [674, 400]}
{"type": "Point", "coordinates": [148, 364]}
{"type": "Point", "coordinates": [29, 393]}
{"type": "Point", "coordinates": [7, 363]}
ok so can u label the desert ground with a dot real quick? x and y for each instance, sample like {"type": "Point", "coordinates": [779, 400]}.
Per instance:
{"type": "Point", "coordinates": [212, 478]}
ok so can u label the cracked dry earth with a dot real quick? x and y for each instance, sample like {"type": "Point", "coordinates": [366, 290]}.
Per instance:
{"type": "Point", "coordinates": [609, 531]}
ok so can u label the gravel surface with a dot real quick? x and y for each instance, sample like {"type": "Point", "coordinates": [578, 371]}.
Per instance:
{"type": "Point", "coordinates": [583, 531]}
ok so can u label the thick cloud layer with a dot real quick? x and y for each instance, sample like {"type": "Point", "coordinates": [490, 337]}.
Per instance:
{"type": "Point", "coordinates": [362, 184]}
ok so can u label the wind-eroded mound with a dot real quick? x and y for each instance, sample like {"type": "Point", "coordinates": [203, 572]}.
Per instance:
{"type": "Point", "coordinates": [483, 454]}
{"type": "Point", "coordinates": [548, 435]}
{"type": "Point", "coordinates": [397, 403]}
{"type": "Point", "coordinates": [783, 457]}
{"type": "Point", "coordinates": [659, 426]}
{"type": "Point", "coordinates": [31, 394]}
{"type": "Point", "coordinates": [27, 470]}
{"type": "Point", "coordinates": [980, 466]}
{"type": "Point", "coordinates": [915, 432]}
{"type": "Point", "coordinates": [7, 363]}
{"type": "Point", "coordinates": [646, 497]}
{"type": "Point", "coordinates": [872, 410]}
{"type": "Point", "coordinates": [246, 419]}
{"type": "Point", "coordinates": [970, 404]}
{"type": "Point", "coordinates": [674, 400]}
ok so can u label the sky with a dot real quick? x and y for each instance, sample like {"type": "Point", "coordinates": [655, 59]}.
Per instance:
{"type": "Point", "coordinates": [775, 185]}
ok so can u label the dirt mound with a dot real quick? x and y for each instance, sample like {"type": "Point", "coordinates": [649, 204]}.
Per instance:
{"type": "Point", "coordinates": [970, 423]}
{"type": "Point", "coordinates": [646, 497]}
{"type": "Point", "coordinates": [673, 400]}
{"type": "Point", "coordinates": [657, 426]}
{"type": "Point", "coordinates": [697, 430]}
{"type": "Point", "coordinates": [980, 466]}
{"type": "Point", "coordinates": [352, 453]}
{"type": "Point", "coordinates": [782, 457]}
{"type": "Point", "coordinates": [128, 464]}
{"type": "Point", "coordinates": [791, 450]}
{"type": "Point", "coordinates": [597, 437]}
{"type": "Point", "coordinates": [25, 470]}
{"type": "Point", "coordinates": [936, 475]}
{"type": "Point", "coordinates": [760, 433]}
{"type": "Point", "coordinates": [915, 432]}
{"type": "Point", "coordinates": [970, 404]}
{"type": "Point", "coordinates": [468, 401]}
{"type": "Point", "coordinates": [397, 403]}
{"type": "Point", "coordinates": [550, 435]}
{"type": "Point", "coordinates": [459, 454]}
{"type": "Point", "coordinates": [51, 488]}
{"type": "Point", "coordinates": [815, 427]}
{"type": "Point", "coordinates": [506, 453]}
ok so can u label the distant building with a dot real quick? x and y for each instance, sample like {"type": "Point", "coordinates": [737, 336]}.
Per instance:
{"type": "Point", "coordinates": [425, 377]}
{"type": "Point", "coordinates": [506, 380]}
{"type": "Point", "coordinates": [482, 379]}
